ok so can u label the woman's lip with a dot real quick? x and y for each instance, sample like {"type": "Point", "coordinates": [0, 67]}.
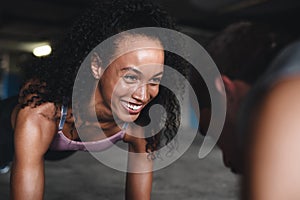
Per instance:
{"type": "Point", "coordinates": [132, 108]}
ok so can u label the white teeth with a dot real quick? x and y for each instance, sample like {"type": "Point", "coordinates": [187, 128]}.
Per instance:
{"type": "Point", "coordinates": [133, 107]}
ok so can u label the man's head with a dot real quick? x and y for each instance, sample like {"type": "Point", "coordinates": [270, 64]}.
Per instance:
{"type": "Point", "coordinates": [242, 53]}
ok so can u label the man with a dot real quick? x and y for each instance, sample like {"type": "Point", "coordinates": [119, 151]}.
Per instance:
{"type": "Point", "coordinates": [242, 53]}
{"type": "Point", "coordinates": [273, 154]}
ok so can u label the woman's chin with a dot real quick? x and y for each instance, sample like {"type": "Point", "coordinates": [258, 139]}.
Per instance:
{"type": "Point", "coordinates": [128, 117]}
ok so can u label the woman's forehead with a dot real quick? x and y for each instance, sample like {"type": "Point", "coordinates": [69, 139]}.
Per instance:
{"type": "Point", "coordinates": [129, 42]}
{"type": "Point", "coordinates": [140, 58]}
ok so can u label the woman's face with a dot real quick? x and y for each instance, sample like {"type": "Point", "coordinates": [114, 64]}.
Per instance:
{"type": "Point", "coordinates": [132, 80]}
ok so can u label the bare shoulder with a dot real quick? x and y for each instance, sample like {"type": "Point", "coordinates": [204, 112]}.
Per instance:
{"type": "Point", "coordinates": [43, 117]}
{"type": "Point", "coordinates": [35, 127]}
{"type": "Point", "coordinates": [47, 111]}
{"type": "Point", "coordinates": [285, 93]}
{"type": "Point", "coordinates": [281, 107]}
{"type": "Point", "coordinates": [274, 153]}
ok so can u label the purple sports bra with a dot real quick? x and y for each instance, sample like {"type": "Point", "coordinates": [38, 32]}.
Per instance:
{"type": "Point", "coordinates": [62, 143]}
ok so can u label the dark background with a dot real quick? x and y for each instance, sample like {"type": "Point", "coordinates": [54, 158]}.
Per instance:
{"type": "Point", "coordinates": [25, 24]}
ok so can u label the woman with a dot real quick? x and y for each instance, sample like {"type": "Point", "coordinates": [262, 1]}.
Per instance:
{"type": "Point", "coordinates": [125, 87]}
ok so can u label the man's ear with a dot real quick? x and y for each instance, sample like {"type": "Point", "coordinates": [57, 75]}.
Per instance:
{"type": "Point", "coordinates": [225, 85]}
{"type": "Point", "coordinates": [96, 65]}
{"type": "Point", "coordinates": [230, 87]}
{"type": "Point", "coordinates": [219, 83]}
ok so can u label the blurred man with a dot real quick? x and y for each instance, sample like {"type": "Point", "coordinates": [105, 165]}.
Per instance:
{"type": "Point", "coordinates": [242, 53]}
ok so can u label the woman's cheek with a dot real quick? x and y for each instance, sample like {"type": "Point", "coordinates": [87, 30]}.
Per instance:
{"type": "Point", "coordinates": [154, 91]}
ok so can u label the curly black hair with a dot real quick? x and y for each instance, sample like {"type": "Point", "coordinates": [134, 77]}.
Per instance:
{"type": "Point", "coordinates": [55, 76]}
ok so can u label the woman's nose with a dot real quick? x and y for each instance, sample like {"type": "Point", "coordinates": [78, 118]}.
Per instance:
{"type": "Point", "coordinates": [141, 93]}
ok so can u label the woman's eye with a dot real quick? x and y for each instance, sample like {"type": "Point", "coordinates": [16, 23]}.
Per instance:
{"type": "Point", "coordinates": [130, 78]}
{"type": "Point", "coordinates": [155, 81]}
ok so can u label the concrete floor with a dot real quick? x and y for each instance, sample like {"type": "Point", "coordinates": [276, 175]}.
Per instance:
{"type": "Point", "coordinates": [82, 177]}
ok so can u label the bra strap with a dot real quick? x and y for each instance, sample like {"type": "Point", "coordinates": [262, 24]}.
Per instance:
{"type": "Point", "coordinates": [125, 125]}
{"type": "Point", "coordinates": [63, 116]}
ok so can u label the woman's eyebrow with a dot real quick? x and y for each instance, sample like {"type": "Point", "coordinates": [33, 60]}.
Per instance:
{"type": "Point", "coordinates": [138, 71]}
{"type": "Point", "coordinates": [132, 69]}
{"type": "Point", "coordinates": [158, 74]}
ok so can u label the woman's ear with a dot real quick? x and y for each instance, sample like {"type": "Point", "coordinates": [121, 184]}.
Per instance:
{"type": "Point", "coordinates": [96, 65]}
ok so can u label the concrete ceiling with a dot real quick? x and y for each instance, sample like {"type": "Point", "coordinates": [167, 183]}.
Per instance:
{"type": "Point", "coordinates": [24, 23]}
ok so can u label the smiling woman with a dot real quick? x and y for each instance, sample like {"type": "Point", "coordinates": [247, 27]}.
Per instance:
{"type": "Point", "coordinates": [133, 78]}
{"type": "Point", "coordinates": [125, 84]}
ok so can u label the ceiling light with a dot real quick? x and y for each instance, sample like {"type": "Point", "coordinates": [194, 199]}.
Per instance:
{"type": "Point", "coordinates": [42, 50]}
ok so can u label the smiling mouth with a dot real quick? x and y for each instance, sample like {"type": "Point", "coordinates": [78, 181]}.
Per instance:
{"type": "Point", "coordinates": [132, 108]}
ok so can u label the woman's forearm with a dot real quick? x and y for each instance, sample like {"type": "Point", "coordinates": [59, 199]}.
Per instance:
{"type": "Point", "coordinates": [27, 181]}
{"type": "Point", "coordinates": [138, 186]}
{"type": "Point", "coordinates": [139, 174]}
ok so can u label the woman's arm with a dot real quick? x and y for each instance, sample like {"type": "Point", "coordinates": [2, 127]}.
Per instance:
{"type": "Point", "coordinates": [139, 175]}
{"type": "Point", "coordinates": [34, 132]}
{"type": "Point", "coordinates": [275, 166]}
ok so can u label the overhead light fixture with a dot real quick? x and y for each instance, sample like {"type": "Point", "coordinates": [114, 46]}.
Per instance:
{"type": "Point", "coordinates": [43, 50]}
